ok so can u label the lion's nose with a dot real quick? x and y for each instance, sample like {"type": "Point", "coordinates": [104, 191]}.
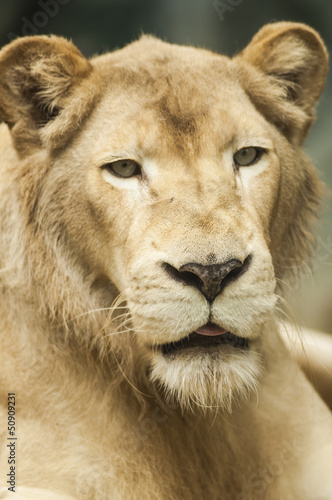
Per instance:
{"type": "Point", "coordinates": [211, 279]}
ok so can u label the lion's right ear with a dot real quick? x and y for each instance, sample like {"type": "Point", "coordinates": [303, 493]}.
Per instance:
{"type": "Point", "coordinates": [289, 64]}
{"type": "Point", "coordinates": [37, 78]}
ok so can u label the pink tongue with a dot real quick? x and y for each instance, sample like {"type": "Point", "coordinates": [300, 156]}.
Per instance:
{"type": "Point", "coordinates": [210, 329]}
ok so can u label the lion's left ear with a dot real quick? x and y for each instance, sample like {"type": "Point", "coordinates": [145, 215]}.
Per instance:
{"type": "Point", "coordinates": [292, 63]}
{"type": "Point", "coordinates": [38, 79]}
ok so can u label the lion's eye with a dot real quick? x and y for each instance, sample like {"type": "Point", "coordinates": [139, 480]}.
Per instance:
{"type": "Point", "coordinates": [123, 168]}
{"type": "Point", "coordinates": [247, 156]}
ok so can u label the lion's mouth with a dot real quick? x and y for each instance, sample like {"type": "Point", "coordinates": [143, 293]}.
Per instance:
{"type": "Point", "coordinates": [207, 336]}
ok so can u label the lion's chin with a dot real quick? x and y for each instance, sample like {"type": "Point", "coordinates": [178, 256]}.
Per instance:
{"type": "Point", "coordinates": [208, 377]}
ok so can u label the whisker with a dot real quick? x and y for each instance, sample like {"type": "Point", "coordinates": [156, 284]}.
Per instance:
{"type": "Point", "coordinates": [91, 311]}
{"type": "Point", "coordinates": [129, 382]}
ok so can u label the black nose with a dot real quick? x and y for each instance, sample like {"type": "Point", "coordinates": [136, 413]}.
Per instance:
{"type": "Point", "coordinates": [210, 280]}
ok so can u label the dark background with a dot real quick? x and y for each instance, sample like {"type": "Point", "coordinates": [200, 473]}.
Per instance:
{"type": "Point", "coordinates": [97, 26]}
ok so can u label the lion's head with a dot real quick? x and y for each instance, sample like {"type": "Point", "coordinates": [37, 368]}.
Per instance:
{"type": "Point", "coordinates": [168, 179]}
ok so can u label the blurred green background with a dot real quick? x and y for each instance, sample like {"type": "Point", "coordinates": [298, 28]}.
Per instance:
{"type": "Point", "coordinates": [97, 26]}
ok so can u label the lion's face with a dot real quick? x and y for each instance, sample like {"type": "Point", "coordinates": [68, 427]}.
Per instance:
{"type": "Point", "coordinates": [175, 190]}
{"type": "Point", "coordinates": [190, 225]}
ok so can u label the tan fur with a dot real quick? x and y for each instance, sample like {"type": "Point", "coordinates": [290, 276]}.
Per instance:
{"type": "Point", "coordinates": [313, 352]}
{"type": "Point", "coordinates": [86, 302]}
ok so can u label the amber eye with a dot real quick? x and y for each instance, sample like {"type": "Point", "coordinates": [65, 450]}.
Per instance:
{"type": "Point", "coordinates": [247, 156]}
{"type": "Point", "coordinates": [123, 168]}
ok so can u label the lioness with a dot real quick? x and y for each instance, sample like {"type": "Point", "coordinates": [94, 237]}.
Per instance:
{"type": "Point", "coordinates": [153, 202]}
